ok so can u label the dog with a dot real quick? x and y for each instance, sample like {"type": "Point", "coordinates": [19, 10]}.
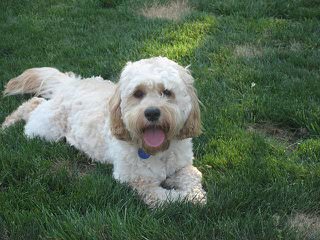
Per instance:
{"type": "Point", "coordinates": [143, 124]}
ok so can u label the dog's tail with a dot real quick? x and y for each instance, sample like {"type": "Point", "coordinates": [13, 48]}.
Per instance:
{"type": "Point", "coordinates": [41, 81]}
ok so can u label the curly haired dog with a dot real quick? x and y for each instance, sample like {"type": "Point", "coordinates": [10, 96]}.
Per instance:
{"type": "Point", "coordinates": [142, 125]}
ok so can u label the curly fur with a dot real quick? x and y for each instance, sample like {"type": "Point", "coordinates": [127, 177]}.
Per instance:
{"type": "Point", "coordinates": [106, 121]}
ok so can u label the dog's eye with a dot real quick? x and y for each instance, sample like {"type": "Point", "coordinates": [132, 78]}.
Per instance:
{"type": "Point", "coordinates": [167, 93]}
{"type": "Point", "coordinates": [138, 94]}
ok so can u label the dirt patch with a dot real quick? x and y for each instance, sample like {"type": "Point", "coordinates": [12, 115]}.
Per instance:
{"type": "Point", "coordinates": [80, 168]}
{"type": "Point", "coordinates": [174, 10]}
{"type": "Point", "coordinates": [306, 226]}
{"type": "Point", "coordinates": [295, 47]}
{"type": "Point", "coordinates": [85, 168]}
{"type": "Point", "coordinates": [291, 136]}
{"type": "Point", "coordinates": [59, 165]}
{"type": "Point", "coordinates": [247, 51]}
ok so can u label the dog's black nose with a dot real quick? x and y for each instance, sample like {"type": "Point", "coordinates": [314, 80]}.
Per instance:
{"type": "Point", "coordinates": [152, 113]}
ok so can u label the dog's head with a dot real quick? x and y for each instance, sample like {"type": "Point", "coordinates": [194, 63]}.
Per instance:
{"type": "Point", "coordinates": [154, 102]}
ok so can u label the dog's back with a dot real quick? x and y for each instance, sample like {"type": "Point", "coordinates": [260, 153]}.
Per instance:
{"type": "Point", "coordinates": [48, 82]}
{"type": "Point", "coordinates": [65, 106]}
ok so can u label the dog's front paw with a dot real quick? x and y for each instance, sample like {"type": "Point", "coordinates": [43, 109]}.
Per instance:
{"type": "Point", "coordinates": [197, 196]}
{"type": "Point", "coordinates": [163, 196]}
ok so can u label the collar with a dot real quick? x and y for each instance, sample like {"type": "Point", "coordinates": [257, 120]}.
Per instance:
{"type": "Point", "coordinates": [142, 154]}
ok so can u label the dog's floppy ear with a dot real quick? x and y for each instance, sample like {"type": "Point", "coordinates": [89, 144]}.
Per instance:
{"type": "Point", "coordinates": [192, 126]}
{"type": "Point", "coordinates": [117, 126]}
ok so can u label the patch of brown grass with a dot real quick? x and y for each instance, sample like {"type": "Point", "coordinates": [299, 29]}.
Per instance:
{"type": "Point", "coordinates": [81, 169]}
{"type": "Point", "coordinates": [305, 225]}
{"type": "Point", "coordinates": [59, 165]}
{"type": "Point", "coordinates": [295, 47]}
{"type": "Point", "coordinates": [247, 51]}
{"type": "Point", "coordinates": [85, 168]}
{"type": "Point", "coordinates": [174, 10]}
{"type": "Point", "coordinates": [288, 135]}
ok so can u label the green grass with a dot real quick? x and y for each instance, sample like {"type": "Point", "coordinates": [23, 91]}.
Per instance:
{"type": "Point", "coordinates": [256, 64]}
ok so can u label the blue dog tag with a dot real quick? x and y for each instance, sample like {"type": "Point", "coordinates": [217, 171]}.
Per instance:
{"type": "Point", "coordinates": [142, 154]}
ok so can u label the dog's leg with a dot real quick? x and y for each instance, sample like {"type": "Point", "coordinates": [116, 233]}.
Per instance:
{"type": "Point", "coordinates": [23, 112]}
{"type": "Point", "coordinates": [188, 180]}
{"type": "Point", "coordinates": [48, 121]}
{"type": "Point", "coordinates": [153, 194]}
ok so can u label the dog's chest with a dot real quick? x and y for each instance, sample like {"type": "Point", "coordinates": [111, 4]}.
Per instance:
{"type": "Point", "coordinates": [161, 166]}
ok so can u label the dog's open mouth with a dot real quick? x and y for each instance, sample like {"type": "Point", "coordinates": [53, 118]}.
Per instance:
{"type": "Point", "coordinates": [153, 136]}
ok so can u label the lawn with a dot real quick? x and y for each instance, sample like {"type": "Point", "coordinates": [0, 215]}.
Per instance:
{"type": "Point", "coordinates": [257, 69]}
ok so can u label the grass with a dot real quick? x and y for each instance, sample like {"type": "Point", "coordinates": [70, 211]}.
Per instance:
{"type": "Point", "coordinates": [256, 65]}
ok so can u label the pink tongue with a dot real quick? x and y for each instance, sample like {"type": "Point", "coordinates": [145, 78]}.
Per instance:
{"type": "Point", "coordinates": [153, 137]}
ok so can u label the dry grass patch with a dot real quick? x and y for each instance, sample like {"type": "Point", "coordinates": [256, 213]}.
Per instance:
{"type": "Point", "coordinates": [59, 166]}
{"type": "Point", "coordinates": [305, 225]}
{"type": "Point", "coordinates": [80, 169]}
{"type": "Point", "coordinates": [284, 134]}
{"type": "Point", "coordinates": [295, 47]}
{"type": "Point", "coordinates": [85, 168]}
{"type": "Point", "coordinates": [173, 10]}
{"type": "Point", "coordinates": [247, 51]}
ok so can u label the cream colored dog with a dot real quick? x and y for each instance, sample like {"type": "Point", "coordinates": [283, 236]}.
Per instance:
{"type": "Point", "coordinates": [142, 125]}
